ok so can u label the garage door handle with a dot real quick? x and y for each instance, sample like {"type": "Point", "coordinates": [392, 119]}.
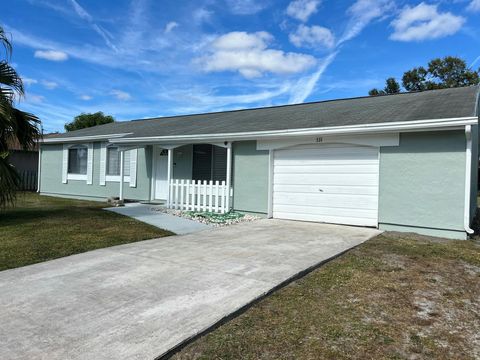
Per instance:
{"type": "Point", "coordinates": [320, 190]}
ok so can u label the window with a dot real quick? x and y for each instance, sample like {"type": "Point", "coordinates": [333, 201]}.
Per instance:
{"type": "Point", "coordinates": [113, 162]}
{"type": "Point", "coordinates": [77, 160]}
{"type": "Point", "coordinates": [209, 162]}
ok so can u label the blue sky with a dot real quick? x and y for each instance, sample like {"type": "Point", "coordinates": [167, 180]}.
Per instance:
{"type": "Point", "coordinates": [144, 58]}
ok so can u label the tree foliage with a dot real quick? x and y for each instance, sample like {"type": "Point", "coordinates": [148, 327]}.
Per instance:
{"type": "Point", "coordinates": [391, 87]}
{"type": "Point", "coordinates": [14, 123]}
{"type": "Point", "coordinates": [440, 73]}
{"type": "Point", "coordinates": [84, 120]}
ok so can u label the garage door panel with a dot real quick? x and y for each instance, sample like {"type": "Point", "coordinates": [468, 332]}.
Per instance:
{"type": "Point", "coordinates": [337, 184]}
{"type": "Point", "coordinates": [327, 219]}
{"type": "Point", "coordinates": [331, 200]}
{"type": "Point", "coordinates": [326, 179]}
{"type": "Point", "coordinates": [371, 168]}
{"type": "Point", "coordinates": [304, 188]}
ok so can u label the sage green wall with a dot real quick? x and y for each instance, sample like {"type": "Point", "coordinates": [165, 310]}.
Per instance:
{"type": "Point", "coordinates": [250, 177]}
{"type": "Point", "coordinates": [51, 176]}
{"type": "Point", "coordinates": [422, 183]}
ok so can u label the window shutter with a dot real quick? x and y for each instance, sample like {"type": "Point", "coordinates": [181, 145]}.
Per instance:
{"type": "Point", "coordinates": [133, 167]}
{"type": "Point", "coordinates": [103, 163]}
{"type": "Point", "coordinates": [90, 164]}
{"type": "Point", "coordinates": [65, 163]}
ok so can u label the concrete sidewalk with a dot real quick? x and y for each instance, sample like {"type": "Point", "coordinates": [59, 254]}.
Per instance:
{"type": "Point", "coordinates": [137, 301]}
{"type": "Point", "coordinates": [148, 214]}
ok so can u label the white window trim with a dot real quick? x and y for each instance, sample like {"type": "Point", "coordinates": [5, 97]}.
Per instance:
{"type": "Point", "coordinates": [82, 177]}
{"type": "Point", "coordinates": [116, 178]}
{"type": "Point", "coordinates": [77, 176]}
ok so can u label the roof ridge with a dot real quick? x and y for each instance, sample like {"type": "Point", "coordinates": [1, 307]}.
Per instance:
{"type": "Point", "coordinates": [299, 104]}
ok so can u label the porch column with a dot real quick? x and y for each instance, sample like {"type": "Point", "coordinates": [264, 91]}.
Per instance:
{"type": "Point", "coordinates": [122, 171]}
{"type": "Point", "coordinates": [169, 174]}
{"type": "Point", "coordinates": [229, 174]}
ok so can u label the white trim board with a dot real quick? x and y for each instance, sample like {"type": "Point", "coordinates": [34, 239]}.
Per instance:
{"type": "Point", "coordinates": [418, 125]}
{"type": "Point", "coordinates": [366, 140]}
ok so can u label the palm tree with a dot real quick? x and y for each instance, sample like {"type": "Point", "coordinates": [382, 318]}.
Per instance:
{"type": "Point", "coordinates": [14, 123]}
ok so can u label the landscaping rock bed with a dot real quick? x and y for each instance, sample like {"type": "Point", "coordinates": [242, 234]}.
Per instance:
{"type": "Point", "coordinates": [211, 218]}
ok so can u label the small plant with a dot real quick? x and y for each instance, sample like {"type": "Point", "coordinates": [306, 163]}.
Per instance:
{"type": "Point", "coordinates": [215, 217]}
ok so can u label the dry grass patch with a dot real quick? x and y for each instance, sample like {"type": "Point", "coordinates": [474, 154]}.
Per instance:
{"type": "Point", "coordinates": [41, 228]}
{"type": "Point", "coordinates": [394, 297]}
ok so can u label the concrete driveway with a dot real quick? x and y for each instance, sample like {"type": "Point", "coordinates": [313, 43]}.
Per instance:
{"type": "Point", "coordinates": [137, 301]}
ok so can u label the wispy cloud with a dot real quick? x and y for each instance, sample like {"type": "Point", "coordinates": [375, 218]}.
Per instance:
{"type": "Point", "coordinates": [361, 14]}
{"type": "Point", "coordinates": [50, 85]}
{"type": "Point", "coordinates": [85, 97]}
{"type": "Point", "coordinates": [474, 6]}
{"type": "Point", "coordinates": [85, 15]}
{"type": "Point", "coordinates": [312, 36]}
{"type": "Point", "coordinates": [29, 81]}
{"type": "Point", "coordinates": [52, 55]}
{"type": "Point", "coordinates": [121, 95]}
{"type": "Point", "coordinates": [170, 26]}
{"type": "Point", "coordinates": [246, 7]}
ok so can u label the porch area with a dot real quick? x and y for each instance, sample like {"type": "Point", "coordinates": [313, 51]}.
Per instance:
{"type": "Point", "coordinates": [195, 177]}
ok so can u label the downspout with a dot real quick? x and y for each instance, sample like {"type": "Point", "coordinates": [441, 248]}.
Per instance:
{"type": "Point", "coordinates": [39, 171]}
{"type": "Point", "coordinates": [468, 179]}
{"type": "Point", "coordinates": [122, 173]}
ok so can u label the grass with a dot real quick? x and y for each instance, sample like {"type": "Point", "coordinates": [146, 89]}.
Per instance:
{"type": "Point", "coordinates": [41, 228]}
{"type": "Point", "coordinates": [396, 296]}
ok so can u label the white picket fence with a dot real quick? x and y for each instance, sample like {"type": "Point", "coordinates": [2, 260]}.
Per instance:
{"type": "Point", "coordinates": [198, 195]}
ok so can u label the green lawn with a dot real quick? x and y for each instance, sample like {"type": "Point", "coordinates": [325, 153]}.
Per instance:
{"type": "Point", "coordinates": [394, 297]}
{"type": "Point", "coordinates": [41, 228]}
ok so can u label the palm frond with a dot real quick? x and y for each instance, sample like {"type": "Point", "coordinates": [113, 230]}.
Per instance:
{"type": "Point", "coordinates": [26, 128]}
{"type": "Point", "coordinates": [5, 41]}
{"type": "Point", "coordinates": [10, 79]}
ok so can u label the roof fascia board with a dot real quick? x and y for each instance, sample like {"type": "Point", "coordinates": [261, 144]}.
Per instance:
{"type": "Point", "coordinates": [435, 124]}
{"type": "Point", "coordinates": [83, 138]}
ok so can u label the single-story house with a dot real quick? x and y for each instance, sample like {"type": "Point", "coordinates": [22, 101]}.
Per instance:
{"type": "Point", "coordinates": [405, 162]}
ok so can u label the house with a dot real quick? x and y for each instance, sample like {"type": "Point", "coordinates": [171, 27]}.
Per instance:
{"type": "Point", "coordinates": [405, 162]}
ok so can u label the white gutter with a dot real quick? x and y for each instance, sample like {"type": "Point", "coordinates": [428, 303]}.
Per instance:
{"type": "Point", "coordinates": [82, 138]}
{"type": "Point", "coordinates": [349, 129]}
{"type": "Point", "coordinates": [39, 171]}
{"type": "Point", "coordinates": [468, 178]}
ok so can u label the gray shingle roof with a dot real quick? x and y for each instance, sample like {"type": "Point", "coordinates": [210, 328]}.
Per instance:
{"type": "Point", "coordinates": [435, 104]}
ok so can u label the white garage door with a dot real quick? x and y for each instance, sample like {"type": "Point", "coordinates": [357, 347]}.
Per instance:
{"type": "Point", "coordinates": [327, 183]}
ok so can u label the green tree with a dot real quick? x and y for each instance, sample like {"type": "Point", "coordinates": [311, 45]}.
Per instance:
{"type": "Point", "coordinates": [14, 123]}
{"type": "Point", "coordinates": [440, 73]}
{"type": "Point", "coordinates": [88, 120]}
{"type": "Point", "coordinates": [391, 87]}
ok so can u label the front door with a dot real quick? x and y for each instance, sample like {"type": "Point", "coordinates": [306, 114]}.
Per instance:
{"type": "Point", "coordinates": [161, 181]}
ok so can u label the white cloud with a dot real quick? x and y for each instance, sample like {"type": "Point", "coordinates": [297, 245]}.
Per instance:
{"type": "Point", "coordinates": [474, 6]}
{"type": "Point", "coordinates": [362, 13]}
{"type": "Point", "coordinates": [52, 55]}
{"type": "Point", "coordinates": [245, 7]}
{"type": "Point", "coordinates": [312, 36]}
{"type": "Point", "coordinates": [121, 95]}
{"type": "Point", "coordinates": [424, 22]}
{"type": "Point", "coordinates": [50, 85]}
{"type": "Point", "coordinates": [248, 54]}
{"type": "Point", "coordinates": [170, 26]}
{"type": "Point", "coordinates": [86, 97]}
{"type": "Point", "coordinates": [302, 9]}
{"type": "Point", "coordinates": [28, 81]}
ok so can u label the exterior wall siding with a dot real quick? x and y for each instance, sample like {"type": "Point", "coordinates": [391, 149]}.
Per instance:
{"type": "Point", "coordinates": [422, 184]}
{"type": "Point", "coordinates": [182, 162]}
{"type": "Point", "coordinates": [250, 178]}
{"type": "Point", "coordinates": [474, 182]}
{"type": "Point", "coordinates": [51, 177]}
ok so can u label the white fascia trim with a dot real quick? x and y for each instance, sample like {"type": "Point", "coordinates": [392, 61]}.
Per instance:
{"type": "Point", "coordinates": [349, 129]}
{"type": "Point", "coordinates": [83, 138]}
{"type": "Point", "coordinates": [468, 179]}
